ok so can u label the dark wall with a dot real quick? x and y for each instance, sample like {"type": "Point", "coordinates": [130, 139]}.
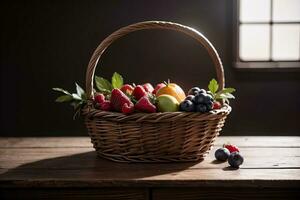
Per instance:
{"type": "Point", "coordinates": [48, 43]}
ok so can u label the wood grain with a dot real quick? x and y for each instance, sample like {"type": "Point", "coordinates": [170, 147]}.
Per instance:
{"type": "Point", "coordinates": [272, 162]}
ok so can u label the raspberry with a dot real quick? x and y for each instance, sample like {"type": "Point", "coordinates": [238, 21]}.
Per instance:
{"type": "Point", "coordinates": [144, 105]}
{"type": "Point", "coordinates": [139, 92]}
{"type": "Point", "coordinates": [232, 148]}
{"type": "Point", "coordinates": [99, 98]}
{"type": "Point", "coordinates": [217, 105]}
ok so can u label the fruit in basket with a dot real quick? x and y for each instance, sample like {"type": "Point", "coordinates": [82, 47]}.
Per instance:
{"type": "Point", "coordinates": [127, 108]}
{"type": "Point", "coordinates": [139, 92]}
{"type": "Point", "coordinates": [201, 108]}
{"type": "Point", "coordinates": [105, 106]}
{"type": "Point", "coordinates": [157, 87]}
{"type": "Point", "coordinates": [144, 105]}
{"type": "Point", "coordinates": [187, 106]}
{"type": "Point", "coordinates": [190, 97]}
{"type": "Point", "coordinates": [120, 101]}
{"type": "Point", "coordinates": [235, 159]}
{"type": "Point", "coordinates": [99, 98]}
{"type": "Point", "coordinates": [217, 105]}
{"type": "Point", "coordinates": [127, 89]}
{"type": "Point", "coordinates": [172, 89]}
{"type": "Point", "coordinates": [222, 154]}
{"type": "Point", "coordinates": [148, 87]}
{"type": "Point", "coordinates": [232, 148]}
{"type": "Point", "coordinates": [167, 103]}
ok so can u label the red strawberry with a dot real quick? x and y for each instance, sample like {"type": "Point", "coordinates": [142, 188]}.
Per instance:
{"type": "Point", "coordinates": [106, 106]}
{"type": "Point", "coordinates": [139, 92]}
{"type": "Point", "coordinates": [157, 87]}
{"type": "Point", "coordinates": [217, 105]}
{"type": "Point", "coordinates": [127, 88]}
{"type": "Point", "coordinates": [118, 99]}
{"type": "Point", "coordinates": [148, 87]}
{"type": "Point", "coordinates": [99, 98]}
{"type": "Point", "coordinates": [127, 109]}
{"type": "Point", "coordinates": [144, 105]}
{"type": "Point", "coordinates": [232, 148]}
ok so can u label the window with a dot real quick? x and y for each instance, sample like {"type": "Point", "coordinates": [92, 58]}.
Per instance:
{"type": "Point", "coordinates": [268, 33]}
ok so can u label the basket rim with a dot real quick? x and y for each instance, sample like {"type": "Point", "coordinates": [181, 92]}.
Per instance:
{"type": "Point", "coordinates": [90, 112]}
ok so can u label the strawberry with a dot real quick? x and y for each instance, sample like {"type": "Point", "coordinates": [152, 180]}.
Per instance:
{"type": "Point", "coordinates": [232, 148]}
{"type": "Point", "coordinates": [157, 87]}
{"type": "Point", "coordinates": [118, 99]}
{"type": "Point", "coordinates": [139, 92]}
{"type": "Point", "coordinates": [99, 98]}
{"type": "Point", "coordinates": [106, 106]}
{"type": "Point", "coordinates": [144, 105]}
{"type": "Point", "coordinates": [127, 88]}
{"type": "Point", "coordinates": [217, 105]}
{"type": "Point", "coordinates": [127, 109]}
{"type": "Point", "coordinates": [148, 87]}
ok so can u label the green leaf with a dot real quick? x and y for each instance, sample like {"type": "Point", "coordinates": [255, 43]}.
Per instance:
{"type": "Point", "coordinates": [79, 90]}
{"type": "Point", "coordinates": [64, 98]}
{"type": "Point", "coordinates": [102, 84]}
{"type": "Point", "coordinates": [76, 97]}
{"type": "Point", "coordinates": [62, 90]}
{"type": "Point", "coordinates": [117, 80]}
{"type": "Point", "coordinates": [228, 90]}
{"type": "Point", "coordinates": [226, 96]}
{"type": "Point", "coordinates": [213, 86]}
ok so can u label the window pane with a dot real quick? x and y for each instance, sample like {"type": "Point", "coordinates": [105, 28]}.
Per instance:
{"type": "Point", "coordinates": [286, 10]}
{"type": "Point", "coordinates": [254, 42]}
{"type": "Point", "coordinates": [255, 10]}
{"type": "Point", "coordinates": [286, 42]}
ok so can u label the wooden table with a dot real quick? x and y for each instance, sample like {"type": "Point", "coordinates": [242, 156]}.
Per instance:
{"type": "Point", "coordinates": [67, 167]}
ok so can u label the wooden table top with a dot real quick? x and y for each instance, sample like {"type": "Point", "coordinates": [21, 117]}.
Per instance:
{"type": "Point", "coordinates": [72, 162]}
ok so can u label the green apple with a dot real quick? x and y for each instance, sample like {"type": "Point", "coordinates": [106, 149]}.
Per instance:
{"type": "Point", "coordinates": [167, 103]}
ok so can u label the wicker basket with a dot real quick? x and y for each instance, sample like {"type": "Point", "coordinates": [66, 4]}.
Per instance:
{"type": "Point", "coordinates": [154, 137]}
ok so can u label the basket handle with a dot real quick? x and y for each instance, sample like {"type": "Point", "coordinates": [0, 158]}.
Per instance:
{"type": "Point", "coordinates": [152, 25]}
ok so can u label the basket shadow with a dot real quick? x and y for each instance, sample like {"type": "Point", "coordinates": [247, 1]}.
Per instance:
{"type": "Point", "coordinates": [88, 166]}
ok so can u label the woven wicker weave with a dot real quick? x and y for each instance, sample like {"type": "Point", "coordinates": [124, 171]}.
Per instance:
{"type": "Point", "coordinates": [155, 137]}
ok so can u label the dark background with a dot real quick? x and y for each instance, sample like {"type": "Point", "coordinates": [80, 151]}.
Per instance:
{"type": "Point", "coordinates": [48, 43]}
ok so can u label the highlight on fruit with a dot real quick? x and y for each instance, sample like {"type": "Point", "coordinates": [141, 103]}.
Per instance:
{"type": "Point", "coordinates": [117, 96]}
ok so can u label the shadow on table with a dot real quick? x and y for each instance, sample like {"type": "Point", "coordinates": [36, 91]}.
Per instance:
{"type": "Point", "coordinates": [89, 166]}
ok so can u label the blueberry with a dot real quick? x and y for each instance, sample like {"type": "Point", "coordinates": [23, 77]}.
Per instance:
{"type": "Point", "coordinates": [187, 106]}
{"type": "Point", "coordinates": [190, 97]}
{"type": "Point", "coordinates": [201, 108]}
{"type": "Point", "coordinates": [199, 98]}
{"type": "Point", "coordinates": [235, 159]}
{"type": "Point", "coordinates": [209, 106]}
{"type": "Point", "coordinates": [194, 91]}
{"type": "Point", "coordinates": [202, 91]}
{"type": "Point", "coordinates": [222, 154]}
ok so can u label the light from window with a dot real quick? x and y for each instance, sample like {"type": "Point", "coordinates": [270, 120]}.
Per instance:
{"type": "Point", "coordinates": [269, 30]}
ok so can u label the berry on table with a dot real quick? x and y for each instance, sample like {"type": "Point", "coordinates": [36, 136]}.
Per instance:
{"type": "Point", "coordinates": [232, 148]}
{"type": "Point", "coordinates": [235, 159]}
{"type": "Point", "coordinates": [222, 154]}
{"type": "Point", "coordinates": [187, 106]}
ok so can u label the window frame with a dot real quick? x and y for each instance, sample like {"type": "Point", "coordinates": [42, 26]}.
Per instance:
{"type": "Point", "coordinates": [252, 65]}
